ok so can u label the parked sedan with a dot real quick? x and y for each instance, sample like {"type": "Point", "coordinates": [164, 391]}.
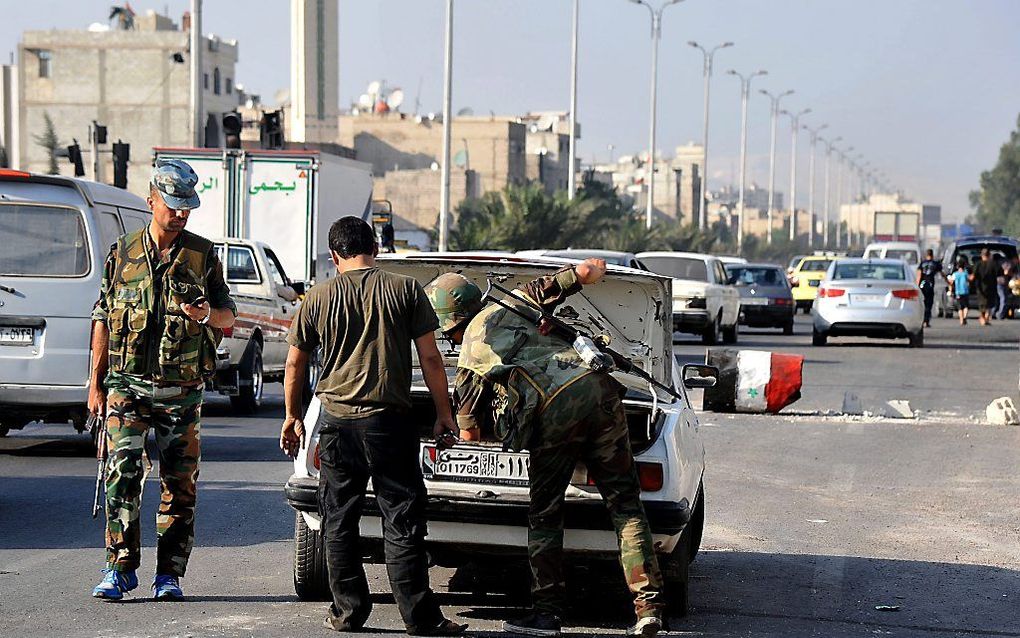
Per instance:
{"type": "Point", "coordinates": [766, 300]}
{"type": "Point", "coordinates": [703, 301]}
{"type": "Point", "coordinates": [869, 298]}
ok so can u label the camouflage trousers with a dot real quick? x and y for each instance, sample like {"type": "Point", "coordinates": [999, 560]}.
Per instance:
{"type": "Point", "coordinates": [587, 423]}
{"type": "Point", "coordinates": [130, 414]}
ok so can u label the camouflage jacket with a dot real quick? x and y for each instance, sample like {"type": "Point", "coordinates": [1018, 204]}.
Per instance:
{"type": "Point", "coordinates": [151, 339]}
{"type": "Point", "coordinates": [508, 373]}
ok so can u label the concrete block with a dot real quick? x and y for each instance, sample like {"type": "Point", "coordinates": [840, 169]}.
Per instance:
{"type": "Point", "coordinates": [898, 409]}
{"type": "Point", "coordinates": [852, 404]}
{"type": "Point", "coordinates": [1002, 411]}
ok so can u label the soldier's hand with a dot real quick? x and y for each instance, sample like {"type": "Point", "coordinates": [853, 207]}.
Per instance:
{"type": "Point", "coordinates": [196, 313]}
{"type": "Point", "coordinates": [444, 431]}
{"type": "Point", "coordinates": [590, 270]}
{"type": "Point", "coordinates": [292, 436]}
{"type": "Point", "coordinates": [97, 400]}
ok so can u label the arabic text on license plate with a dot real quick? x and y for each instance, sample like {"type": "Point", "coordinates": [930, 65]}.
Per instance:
{"type": "Point", "coordinates": [756, 301]}
{"type": "Point", "coordinates": [474, 465]}
{"type": "Point", "coordinates": [16, 335]}
{"type": "Point", "coordinates": [868, 298]}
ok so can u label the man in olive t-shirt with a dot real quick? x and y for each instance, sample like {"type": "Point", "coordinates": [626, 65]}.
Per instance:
{"type": "Point", "coordinates": [365, 319]}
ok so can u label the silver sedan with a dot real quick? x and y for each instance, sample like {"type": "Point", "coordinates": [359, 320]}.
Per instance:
{"type": "Point", "coordinates": [869, 298]}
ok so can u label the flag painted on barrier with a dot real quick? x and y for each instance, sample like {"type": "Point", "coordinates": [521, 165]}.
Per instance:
{"type": "Point", "coordinates": [767, 381]}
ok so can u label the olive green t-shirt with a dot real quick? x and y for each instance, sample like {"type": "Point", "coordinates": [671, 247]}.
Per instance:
{"type": "Point", "coordinates": [365, 321]}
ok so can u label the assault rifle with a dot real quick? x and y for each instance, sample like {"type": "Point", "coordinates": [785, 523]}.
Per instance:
{"type": "Point", "coordinates": [97, 428]}
{"type": "Point", "coordinates": [595, 351]}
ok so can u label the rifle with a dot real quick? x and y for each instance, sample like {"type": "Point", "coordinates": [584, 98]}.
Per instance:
{"type": "Point", "coordinates": [579, 340]}
{"type": "Point", "coordinates": [97, 428]}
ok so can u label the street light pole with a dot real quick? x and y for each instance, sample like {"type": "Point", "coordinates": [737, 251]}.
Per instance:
{"type": "Point", "coordinates": [774, 99]}
{"type": "Point", "coordinates": [839, 197]}
{"type": "Point", "coordinates": [195, 60]}
{"type": "Point", "coordinates": [745, 89]}
{"type": "Point", "coordinates": [656, 36]}
{"type": "Point", "coordinates": [572, 152]}
{"type": "Point", "coordinates": [794, 125]}
{"type": "Point", "coordinates": [444, 194]}
{"type": "Point", "coordinates": [707, 55]}
{"type": "Point", "coordinates": [811, 181]}
{"type": "Point", "coordinates": [828, 198]}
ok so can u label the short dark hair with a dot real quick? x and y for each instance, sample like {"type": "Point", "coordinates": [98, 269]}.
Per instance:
{"type": "Point", "coordinates": [350, 236]}
{"type": "Point", "coordinates": [930, 253]}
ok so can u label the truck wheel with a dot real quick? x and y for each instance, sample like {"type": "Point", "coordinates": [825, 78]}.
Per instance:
{"type": "Point", "coordinates": [251, 380]}
{"type": "Point", "coordinates": [731, 334]}
{"type": "Point", "coordinates": [310, 577]}
{"type": "Point", "coordinates": [818, 338]}
{"type": "Point", "coordinates": [710, 334]}
{"type": "Point", "coordinates": [676, 576]}
{"type": "Point", "coordinates": [696, 526]}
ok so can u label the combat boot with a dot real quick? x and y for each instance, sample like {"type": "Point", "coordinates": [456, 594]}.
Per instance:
{"type": "Point", "coordinates": [538, 623]}
{"type": "Point", "coordinates": [115, 584]}
{"type": "Point", "coordinates": [646, 627]}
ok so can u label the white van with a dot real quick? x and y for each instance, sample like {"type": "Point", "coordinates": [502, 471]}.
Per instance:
{"type": "Point", "coordinates": [55, 233]}
{"type": "Point", "coordinates": [907, 251]}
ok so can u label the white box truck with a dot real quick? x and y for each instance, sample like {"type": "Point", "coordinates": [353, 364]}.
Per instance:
{"type": "Point", "coordinates": [285, 198]}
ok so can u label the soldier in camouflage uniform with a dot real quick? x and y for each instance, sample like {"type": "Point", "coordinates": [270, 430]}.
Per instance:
{"type": "Point", "coordinates": [539, 395]}
{"type": "Point", "coordinates": [155, 330]}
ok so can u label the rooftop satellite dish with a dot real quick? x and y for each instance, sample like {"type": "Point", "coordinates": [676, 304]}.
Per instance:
{"type": "Point", "coordinates": [374, 87]}
{"type": "Point", "coordinates": [546, 122]}
{"type": "Point", "coordinates": [467, 111]}
{"type": "Point", "coordinates": [365, 101]}
{"type": "Point", "coordinates": [395, 99]}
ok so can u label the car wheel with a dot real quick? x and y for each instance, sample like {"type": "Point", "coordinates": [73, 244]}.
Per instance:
{"type": "Point", "coordinates": [676, 576]}
{"type": "Point", "coordinates": [818, 338]}
{"type": "Point", "coordinates": [696, 525]}
{"type": "Point", "coordinates": [710, 335]}
{"type": "Point", "coordinates": [788, 328]}
{"type": "Point", "coordinates": [731, 334]}
{"type": "Point", "coordinates": [917, 340]}
{"type": "Point", "coordinates": [250, 382]}
{"type": "Point", "coordinates": [310, 577]}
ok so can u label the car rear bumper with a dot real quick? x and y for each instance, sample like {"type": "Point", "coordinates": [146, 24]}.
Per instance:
{"type": "Point", "coordinates": [44, 396]}
{"type": "Point", "coordinates": [805, 293]}
{"type": "Point", "coordinates": [766, 316]}
{"type": "Point", "coordinates": [690, 320]}
{"type": "Point", "coordinates": [886, 322]}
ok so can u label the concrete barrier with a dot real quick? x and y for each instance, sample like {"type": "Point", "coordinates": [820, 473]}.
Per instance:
{"type": "Point", "coordinates": [1002, 411]}
{"type": "Point", "coordinates": [753, 381]}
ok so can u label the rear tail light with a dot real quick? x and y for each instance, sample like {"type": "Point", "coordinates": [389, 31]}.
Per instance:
{"type": "Point", "coordinates": [650, 476]}
{"type": "Point", "coordinates": [831, 292]}
{"type": "Point", "coordinates": [782, 301]}
{"type": "Point", "coordinates": [315, 457]}
{"type": "Point", "coordinates": [908, 293]}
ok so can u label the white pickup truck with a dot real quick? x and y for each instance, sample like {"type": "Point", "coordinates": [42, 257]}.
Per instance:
{"type": "Point", "coordinates": [254, 351]}
{"type": "Point", "coordinates": [704, 302]}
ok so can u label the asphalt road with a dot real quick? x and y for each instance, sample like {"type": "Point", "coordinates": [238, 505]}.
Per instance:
{"type": "Point", "coordinates": [813, 519]}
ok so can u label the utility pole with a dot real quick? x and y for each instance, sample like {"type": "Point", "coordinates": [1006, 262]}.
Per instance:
{"type": "Point", "coordinates": [444, 194]}
{"type": "Point", "coordinates": [811, 181]}
{"type": "Point", "coordinates": [195, 39]}
{"type": "Point", "coordinates": [572, 153]}
{"type": "Point", "coordinates": [795, 124]}
{"type": "Point", "coordinates": [774, 99]}
{"type": "Point", "coordinates": [708, 54]}
{"type": "Point", "coordinates": [828, 198]}
{"type": "Point", "coordinates": [745, 89]}
{"type": "Point", "coordinates": [94, 147]}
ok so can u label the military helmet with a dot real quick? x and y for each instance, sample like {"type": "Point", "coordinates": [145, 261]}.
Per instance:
{"type": "Point", "coordinates": [455, 299]}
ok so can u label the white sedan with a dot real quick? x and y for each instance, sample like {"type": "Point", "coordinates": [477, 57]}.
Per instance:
{"type": "Point", "coordinates": [869, 298]}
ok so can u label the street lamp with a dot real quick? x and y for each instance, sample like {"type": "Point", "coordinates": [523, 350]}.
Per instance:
{"type": "Point", "coordinates": [444, 193]}
{"type": "Point", "coordinates": [572, 152]}
{"type": "Point", "coordinates": [745, 89]}
{"type": "Point", "coordinates": [707, 55]}
{"type": "Point", "coordinates": [811, 181]}
{"type": "Point", "coordinates": [656, 15]}
{"type": "Point", "coordinates": [772, 156]}
{"type": "Point", "coordinates": [794, 125]}
{"type": "Point", "coordinates": [829, 145]}
{"type": "Point", "coordinates": [839, 195]}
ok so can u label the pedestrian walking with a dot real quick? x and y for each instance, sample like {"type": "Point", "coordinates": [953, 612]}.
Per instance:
{"type": "Point", "coordinates": [155, 329]}
{"type": "Point", "coordinates": [927, 271]}
{"type": "Point", "coordinates": [1002, 287]}
{"type": "Point", "coordinates": [563, 412]}
{"type": "Point", "coordinates": [960, 282]}
{"type": "Point", "coordinates": [365, 319]}
{"type": "Point", "coordinates": [986, 273]}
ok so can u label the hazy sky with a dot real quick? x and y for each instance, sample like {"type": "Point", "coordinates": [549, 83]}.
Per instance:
{"type": "Point", "coordinates": [927, 90]}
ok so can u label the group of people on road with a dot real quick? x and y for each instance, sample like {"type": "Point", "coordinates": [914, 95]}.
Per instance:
{"type": "Point", "coordinates": [162, 307]}
{"type": "Point", "coordinates": [990, 282]}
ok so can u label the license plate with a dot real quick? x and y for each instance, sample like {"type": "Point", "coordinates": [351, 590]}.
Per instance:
{"type": "Point", "coordinates": [814, 283]}
{"type": "Point", "coordinates": [867, 298]}
{"type": "Point", "coordinates": [470, 465]}
{"type": "Point", "coordinates": [16, 335]}
{"type": "Point", "coordinates": [759, 301]}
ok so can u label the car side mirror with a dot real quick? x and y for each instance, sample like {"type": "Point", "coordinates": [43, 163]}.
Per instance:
{"type": "Point", "coordinates": [298, 287]}
{"type": "Point", "coordinates": [699, 376]}
{"type": "Point", "coordinates": [287, 292]}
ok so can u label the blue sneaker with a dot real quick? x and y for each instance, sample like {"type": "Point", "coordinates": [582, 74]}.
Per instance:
{"type": "Point", "coordinates": [115, 584]}
{"type": "Point", "coordinates": [166, 587]}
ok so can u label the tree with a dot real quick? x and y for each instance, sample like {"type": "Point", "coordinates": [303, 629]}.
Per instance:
{"type": "Point", "coordinates": [48, 141]}
{"type": "Point", "coordinates": [997, 202]}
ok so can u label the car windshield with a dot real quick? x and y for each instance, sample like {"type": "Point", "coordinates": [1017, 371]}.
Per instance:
{"type": "Point", "coordinates": [794, 261]}
{"type": "Point", "coordinates": [866, 270]}
{"type": "Point", "coordinates": [815, 265]}
{"type": "Point", "coordinates": [42, 241]}
{"type": "Point", "coordinates": [908, 256]}
{"type": "Point", "coordinates": [678, 267]}
{"type": "Point", "coordinates": [745, 276]}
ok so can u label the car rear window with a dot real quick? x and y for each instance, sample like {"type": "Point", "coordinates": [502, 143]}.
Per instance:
{"type": "Point", "coordinates": [815, 265]}
{"type": "Point", "coordinates": [908, 256]}
{"type": "Point", "coordinates": [972, 252]}
{"type": "Point", "coordinates": [888, 272]}
{"type": "Point", "coordinates": [678, 267]}
{"type": "Point", "coordinates": [42, 241]}
{"type": "Point", "coordinates": [742, 275]}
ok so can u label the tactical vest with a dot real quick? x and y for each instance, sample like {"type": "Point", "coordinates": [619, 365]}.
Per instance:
{"type": "Point", "coordinates": [150, 336]}
{"type": "Point", "coordinates": [527, 369]}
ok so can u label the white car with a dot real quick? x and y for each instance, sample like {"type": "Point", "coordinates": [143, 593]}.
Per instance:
{"type": "Point", "coordinates": [478, 493]}
{"type": "Point", "coordinates": [704, 303]}
{"type": "Point", "coordinates": [908, 251]}
{"type": "Point", "coordinates": [869, 298]}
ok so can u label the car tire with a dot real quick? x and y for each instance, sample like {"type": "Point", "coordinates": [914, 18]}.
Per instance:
{"type": "Point", "coordinates": [251, 379]}
{"type": "Point", "coordinates": [732, 334]}
{"type": "Point", "coordinates": [676, 576]}
{"type": "Point", "coordinates": [917, 340]}
{"type": "Point", "coordinates": [311, 581]}
{"type": "Point", "coordinates": [818, 338]}
{"type": "Point", "coordinates": [788, 328]}
{"type": "Point", "coordinates": [696, 525]}
{"type": "Point", "coordinates": [710, 334]}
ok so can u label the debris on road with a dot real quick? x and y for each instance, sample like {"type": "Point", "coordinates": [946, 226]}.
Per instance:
{"type": "Point", "coordinates": [1002, 411]}
{"type": "Point", "coordinates": [753, 381]}
{"type": "Point", "coordinates": [852, 404]}
{"type": "Point", "coordinates": [898, 409]}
